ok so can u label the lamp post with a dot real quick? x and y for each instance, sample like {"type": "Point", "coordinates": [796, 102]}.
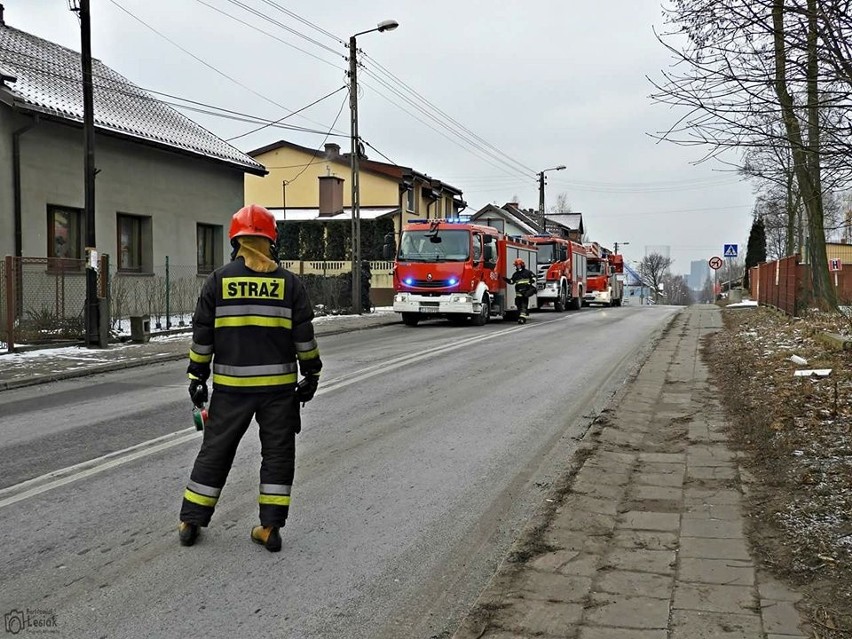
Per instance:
{"type": "Point", "coordinates": [384, 25]}
{"type": "Point", "coordinates": [541, 221]}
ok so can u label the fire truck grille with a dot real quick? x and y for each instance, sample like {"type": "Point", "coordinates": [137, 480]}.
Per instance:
{"type": "Point", "coordinates": [431, 284]}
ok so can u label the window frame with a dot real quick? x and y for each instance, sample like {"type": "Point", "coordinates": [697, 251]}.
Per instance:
{"type": "Point", "coordinates": [52, 209]}
{"type": "Point", "coordinates": [215, 235]}
{"type": "Point", "coordinates": [137, 221]}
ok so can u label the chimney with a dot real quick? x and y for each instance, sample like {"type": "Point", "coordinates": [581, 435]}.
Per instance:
{"type": "Point", "coordinates": [332, 150]}
{"type": "Point", "coordinates": [2, 21]}
{"type": "Point", "coordinates": [330, 195]}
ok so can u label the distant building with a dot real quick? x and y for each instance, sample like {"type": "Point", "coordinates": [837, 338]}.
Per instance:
{"type": "Point", "coordinates": [699, 271]}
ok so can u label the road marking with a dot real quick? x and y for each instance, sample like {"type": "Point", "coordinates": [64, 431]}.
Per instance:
{"type": "Point", "coordinates": [58, 478]}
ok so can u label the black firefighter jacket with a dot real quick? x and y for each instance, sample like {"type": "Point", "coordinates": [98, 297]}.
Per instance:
{"type": "Point", "coordinates": [254, 327]}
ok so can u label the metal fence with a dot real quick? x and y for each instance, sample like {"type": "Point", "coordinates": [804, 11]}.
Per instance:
{"type": "Point", "coordinates": [167, 296]}
{"type": "Point", "coordinates": [42, 299]}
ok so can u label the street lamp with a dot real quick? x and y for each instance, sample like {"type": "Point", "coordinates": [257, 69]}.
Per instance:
{"type": "Point", "coordinates": [617, 244]}
{"type": "Point", "coordinates": [384, 25]}
{"type": "Point", "coordinates": [541, 195]}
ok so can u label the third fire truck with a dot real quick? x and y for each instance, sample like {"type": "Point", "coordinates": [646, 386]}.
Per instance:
{"type": "Point", "coordinates": [453, 269]}
{"type": "Point", "coordinates": [561, 274]}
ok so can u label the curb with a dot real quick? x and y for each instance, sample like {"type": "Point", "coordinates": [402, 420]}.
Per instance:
{"type": "Point", "coordinates": [145, 361]}
{"type": "Point", "coordinates": [835, 341]}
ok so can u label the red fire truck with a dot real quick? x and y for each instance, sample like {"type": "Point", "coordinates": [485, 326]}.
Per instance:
{"type": "Point", "coordinates": [561, 275]}
{"type": "Point", "coordinates": [604, 286]}
{"type": "Point", "coordinates": [453, 269]}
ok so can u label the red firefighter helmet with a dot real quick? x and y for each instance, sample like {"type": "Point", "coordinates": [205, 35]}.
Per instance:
{"type": "Point", "coordinates": [253, 220]}
{"type": "Point", "coordinates": [520, 263]}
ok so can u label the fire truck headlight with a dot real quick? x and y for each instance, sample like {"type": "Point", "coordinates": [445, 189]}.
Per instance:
{"type": "Point", "coordinates": [400, 297]}
{"type": "Point", "coordinates": [460, 299]}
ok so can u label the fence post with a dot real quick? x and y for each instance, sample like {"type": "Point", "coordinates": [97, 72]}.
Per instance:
{"type": "Point", "coordinates": [10, 304]}
{"type": "Point", "coordinates": [168, 313]}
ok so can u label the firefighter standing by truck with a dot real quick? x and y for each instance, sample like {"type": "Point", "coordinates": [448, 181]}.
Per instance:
{"type": "Point", "coordinates": [253, 325]}
{"type": "Point", "coordinates": [524, 282]}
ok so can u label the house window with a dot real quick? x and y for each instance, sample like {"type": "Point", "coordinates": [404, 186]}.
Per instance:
{"type": "Point", "coordinates": [209, 244]}
{"type": "Point", "coordinates": [135, 250]}
{"type": "Point", "coordinates": [409, 204]}
{"type": "Point", "coordinates": [64, 232]}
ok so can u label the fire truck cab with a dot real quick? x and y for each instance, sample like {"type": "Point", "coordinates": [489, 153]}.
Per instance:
{"type": "Point", "coordinates": [453, 269]}
{"type": "Point", "coordinates": [561, 274]}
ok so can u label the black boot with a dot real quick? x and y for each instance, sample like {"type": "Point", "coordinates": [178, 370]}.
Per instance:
{"type": "Point", "coordinates": [267, 536]}
{"type": "Point", "coordinates": [187, 533]}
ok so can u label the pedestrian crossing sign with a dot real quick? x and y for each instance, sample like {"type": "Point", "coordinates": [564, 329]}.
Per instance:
{"type": "Point", "coordinates": [730, 250]}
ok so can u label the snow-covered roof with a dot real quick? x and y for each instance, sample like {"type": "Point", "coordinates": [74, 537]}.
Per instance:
{"type": "Point", "coordinates": [306, 215]}
{"type": "Point", "coordinates": [48, 80]}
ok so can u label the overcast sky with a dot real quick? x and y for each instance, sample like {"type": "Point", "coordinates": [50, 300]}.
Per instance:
{"type": "Point", "coordinates": [545, 82]}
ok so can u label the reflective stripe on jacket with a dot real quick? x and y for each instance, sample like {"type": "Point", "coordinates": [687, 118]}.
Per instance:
{"type": "Point", "coordinates": [255, 328]}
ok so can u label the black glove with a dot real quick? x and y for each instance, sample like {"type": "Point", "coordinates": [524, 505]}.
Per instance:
{"type": "Point", "coordinates": [198, 392]}
{"type": "Point", "coordinates": [307, 388]}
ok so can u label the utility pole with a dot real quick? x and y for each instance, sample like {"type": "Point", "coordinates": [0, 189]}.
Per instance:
{"type": "Point", "coordinates": [615, 251]}
{"type": "Point", "coordinates": [91, 316]}
{"type": "Point", "coordinates": [385, 25]}
{"type": "Point", "coordinates": [356, 185]}
{"type": "Point", "coordinates": [542, 223]}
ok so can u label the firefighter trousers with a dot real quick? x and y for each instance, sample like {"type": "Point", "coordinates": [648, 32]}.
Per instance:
{"type": "Point", "coordinates": [523, 304]}
{"type": "Point", "coordinates": [228, 418]}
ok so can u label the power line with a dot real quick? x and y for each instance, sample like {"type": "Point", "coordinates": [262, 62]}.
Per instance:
{"type": "Point", "coordinates": [389, 74]}
{"type": "Point", "coordinates": [206, 64]}
{"type": "Point", "coordinates": [304, 21]}
{"type": "Point", "coordinates": [278, 121]}
{"type": "Point", "coordinates": [274, 37]}
{"type": "Point", "coordinates": [139, 93]}
{"type": "Point", "coordinates": [322, 144]}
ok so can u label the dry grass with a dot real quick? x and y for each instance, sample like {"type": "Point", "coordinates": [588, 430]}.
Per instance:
{"type": "Point", "coordinates": [796, 433]}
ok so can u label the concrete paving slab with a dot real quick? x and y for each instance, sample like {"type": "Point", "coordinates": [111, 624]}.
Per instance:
{"type": "Point", "coordinates": [645, 539]}
{"type": "Point", "coordinates": [657, 479]}
{"type": "Point", "coordinates": [572, 563]}
{"type": "Point", "coordinates": [713, 597]}
{"type": "Point", "coordinates": [553, 586]}
{"type": "Point", "coordinates": [660, 562]}
{"type": "Point", "coordinates": [733, 572]}
{"type": "Point", "coordinates": [780, 617]}
{"type": "Point", "coordinates": [626, 612]}
{"type": "Point", "coordinates": [597, 632]}
{"type": "Point", "coordinates": [693, 624]}
{"type": "Point", "coordinates": [694, 494]}
{"type": "Point", "coordinates": [532, 617]}
{"type": "Point", "coordinates": [625, 582]}
{"type": "Point", "coordinates": [655, 493]}
{"type": "Point", "coordinates": [706, 548]}
{"type": "Point", "coordinates": [712, 528]}
{"type": "Point", "coordinates": [635, 520]}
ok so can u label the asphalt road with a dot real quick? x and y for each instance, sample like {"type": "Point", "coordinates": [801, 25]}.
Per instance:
{"type": "Point", "coordinates": [423, 455]}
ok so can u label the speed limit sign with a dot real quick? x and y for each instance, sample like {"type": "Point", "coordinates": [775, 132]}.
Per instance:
{"type": "Point", "coordinates": [715, 262]}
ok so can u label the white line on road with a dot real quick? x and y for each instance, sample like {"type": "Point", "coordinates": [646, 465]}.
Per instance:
{"type": "Point", "coordinates": [57, 478]}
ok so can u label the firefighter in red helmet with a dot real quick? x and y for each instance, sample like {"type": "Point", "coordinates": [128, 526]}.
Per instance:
{"type": "Point", "coordinates": [252, 329]}
{"type": "Point", "coordinates": [524, 282]}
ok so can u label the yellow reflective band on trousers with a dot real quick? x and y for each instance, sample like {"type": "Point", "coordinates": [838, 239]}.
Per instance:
{"type": "Point", "coordinates": [274, 500]}
{"type": "Point", "coordinates": [264, 380]}
{"type": "Point", "coordinates": [253, 320]}
{"type": "Point", "coordinates": [201, 359]}
{"type": "Point", "coordinates": [201, 500]}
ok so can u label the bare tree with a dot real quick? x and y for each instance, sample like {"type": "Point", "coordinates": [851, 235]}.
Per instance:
{"type": "Point", "coordinates": [768, 74]}
{"type": "Point", "coordinates": [653, 269]}
{"type": "Point", "coordinates": [677, 290]}
{"type": "Point", "coordinates": [562, 204]}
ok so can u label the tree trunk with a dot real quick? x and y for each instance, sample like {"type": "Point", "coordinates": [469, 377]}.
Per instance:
{"type": "Point", "coordinates": [805, 159]}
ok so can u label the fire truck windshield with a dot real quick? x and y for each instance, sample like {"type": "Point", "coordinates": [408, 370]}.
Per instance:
{"type": "Point", "coordinates": [429, 246]}
{"type": "Point", "coordinates": [546, 253]}
{"type": "Point", "coordinates": [594, 267]}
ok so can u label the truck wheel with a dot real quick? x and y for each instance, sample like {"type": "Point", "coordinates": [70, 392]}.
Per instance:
{"type": "Point", "coordinates": [577, 302]}
{"type": "Point", "coordinates": [560, 301]}
{"type": "Point", "coordinates": [482, 318]}
{"type": "Point", "coordinates": [410, 319]}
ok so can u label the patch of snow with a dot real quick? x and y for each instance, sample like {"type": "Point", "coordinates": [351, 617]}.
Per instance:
{"type": "Point", "coordinates": [743, 304]}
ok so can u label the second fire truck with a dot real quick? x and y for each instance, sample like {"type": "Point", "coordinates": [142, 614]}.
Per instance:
{"type": "Point", "coordinates": [561, 274]}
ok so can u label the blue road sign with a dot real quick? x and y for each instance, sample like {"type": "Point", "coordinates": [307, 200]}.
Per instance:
{"type": "Point", "coordinates": [730, 250]}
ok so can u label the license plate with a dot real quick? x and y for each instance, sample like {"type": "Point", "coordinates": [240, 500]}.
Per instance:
{"type": "Point", "coordinates": [428, 309]}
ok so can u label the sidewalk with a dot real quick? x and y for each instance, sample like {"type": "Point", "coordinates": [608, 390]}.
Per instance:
{"type": "Point", "coordinates": [645, 538]}
{"type": "Point", "coordinates": [48, 365]}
